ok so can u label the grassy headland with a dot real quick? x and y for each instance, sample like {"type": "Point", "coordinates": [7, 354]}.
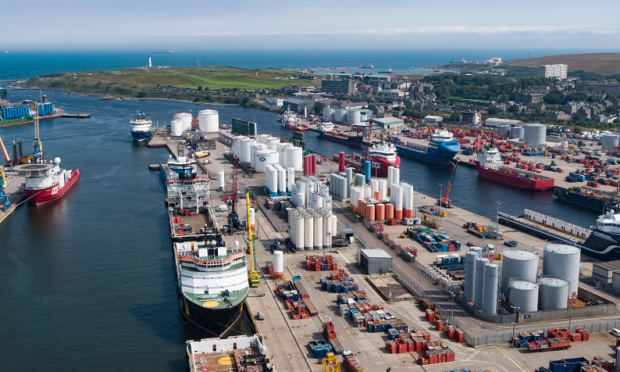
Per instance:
{"type": "Point", "coordinates": [216, 84]}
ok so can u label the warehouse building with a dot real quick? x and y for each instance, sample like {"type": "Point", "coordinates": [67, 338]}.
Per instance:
{"type": "Point", "coordinates": [375, 261]}
{"type": "Point", "coordinates": [603, 272]}
{"type": "Point", "coordinates": [294, 104]}
{"type": "Point", "coordinates": [497, 122]}
{"type": "Point", "coordinates": [390, 122]}
{"type": "Point", "coordinates": [278, 102]}
{"type": "Point", "coordinates": [431, 119]}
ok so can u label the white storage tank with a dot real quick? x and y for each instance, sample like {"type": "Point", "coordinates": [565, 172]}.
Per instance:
{"type": "Point", "coordinates": [340, 115]}
{"type": "Point", "coordinates": [327, 204]}
{"type": "Point", "coordinates": [253, 148]}
{"type": "Point", "coordinates": [176, 126]}
{"type": "Point", "coordinates": [524, 295]}
{"type": "Point", "coordinates": [294, 158]}
{"type": "Point", "coordinates": [517, 133]}
{"type": "Point", "coordinates": [208, 121]}
{"type": "Point", "coordinates": [480, 262]}
{"type": "Point", "coordinates": [278, 263]}
{"type": "Point", "coordinates": [363, 117]}
{"type": "Point", "coordinates": [272, 143]}
{"type": "Point", "coordinates": [252, 217]}
{"type": "Point", "coordinates": [354, 116]}
{"type": "Point", "coordinates": [309, 232]}
{"type": "Point", "coordinates": [552, 293]}
{"type": "Point", "coordinates": [608, 141]}
{"type": "Point", "coordinates": [221, 180]}
{"type": "Point", "coordinates": [491, 283]}
{"type": "Point", "coordinates": [271, 178]}
{"type": "Point", "coordinates": [328, 114]}
{"type": "Point", "coordinates": [518, 264]}
{"type": "Point", "coordinates": [236, 147]}
{"type": "Point", "coordinates": [300, 226]}
{"type": "Point", "coordinates": [291, 178]}
{"type": "Point", "coordinates": [186, 119]}
{"type": "Point", "coordinates": [245, 156]}
{"type": "Point", "coordinates": [318, 232]}
{"type": "Point", "coordinates": [503, 131]}
{"type": "Point", "coordinates": [281, 178]}
{"type": "Point", "coordinates": [264, 157]}
{"type": "Point", "coordinates": [535, 134]}
{"type": "Point", "coordinates": [562, 261]}
{"type": "Point", "coordinates": [470, 276]}
{"type": "Point", "coordinates": [282, 153]}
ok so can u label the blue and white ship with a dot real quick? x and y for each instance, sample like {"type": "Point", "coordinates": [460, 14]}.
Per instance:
{"type": "Point", "coordinates": [178, 167]}
{"type": "Point", "coordinates": [141, 128]}
{"type": "Point", "coordinates": [441, 149]}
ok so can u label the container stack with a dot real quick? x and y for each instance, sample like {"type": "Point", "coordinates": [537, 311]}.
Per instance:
{"type": "Point", "coordinates": [341, 285]}
{"type": "Point", "coordinates": [324, 263]}
{"type": "Point", "coordinates": [436, 242]}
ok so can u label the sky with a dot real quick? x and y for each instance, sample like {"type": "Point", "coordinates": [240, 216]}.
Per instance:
{"type": "Point", "coordinates": [323, 24]}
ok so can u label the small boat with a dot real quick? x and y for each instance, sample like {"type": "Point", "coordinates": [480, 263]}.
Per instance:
{"type": "Point", "coordinates": [201, 154]}
{"type": "Point", "coordinates": [389, 71]}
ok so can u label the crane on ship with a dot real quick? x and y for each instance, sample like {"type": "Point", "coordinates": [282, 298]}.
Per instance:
{"type": "Point", "coordinates": [367, 147]}
{"type": "Point", "coordinates": [37, 146]}
{"type": "Point", "coordinates": [253, 275]}
{"type": "Point", "coordinates": [446, 202]}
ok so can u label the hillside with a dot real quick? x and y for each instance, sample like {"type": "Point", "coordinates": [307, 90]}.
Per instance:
{"type": "Point", "coordinates": [605, 64]}
{"type": "Point", "coordinates": [131, 83]}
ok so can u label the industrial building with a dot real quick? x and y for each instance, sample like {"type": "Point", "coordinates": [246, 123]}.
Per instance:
{"type": "Point", "coordinates": [278, 102]}
{"type": "Point", "coordinates": [431, 119]}
{"type": "Point", "coordinates": [603, 272]}
{"type": "Point", "coordinates": [497, 122]}
{"type": "Point", "coordinates": [470, 117]}
{"type": "Point", "coordinates": [553, 71]}
{"type": "Point", "coordinates": [376, 261]}
{"type": "Point", "coordinates": [3, 94]}
{"type": "Point", "coordinates": [338, 86]}
{"type": "Point", "coordinates": [389, 122]}
{"type": "Point", "coordinates": [294, 104]}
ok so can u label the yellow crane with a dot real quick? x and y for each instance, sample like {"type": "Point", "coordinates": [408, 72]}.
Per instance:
{"type": "Point", "coordinates": [330, 363]}
{"type": "Point", "coordinates": [253, 275]}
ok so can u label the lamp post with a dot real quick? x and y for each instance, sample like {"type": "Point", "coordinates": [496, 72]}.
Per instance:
{"type": "Point", "coordinates": [452, 310]}
{"type": "Point", "coordinates": [390, 285]}
{"type": "Point", "coordinates": [440, 193]}
{"type": "Point", "coordinates": [497, 229]}
{"type": "Point", "coordinates": [572, 304]}
{"type": "Point", "coordinates": [514, 309]}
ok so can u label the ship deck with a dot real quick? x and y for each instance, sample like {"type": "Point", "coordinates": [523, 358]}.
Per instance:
{"type": "Point", "coordinates": [218, 301]}
{"type": "Point", "coordinates": [555, 231]}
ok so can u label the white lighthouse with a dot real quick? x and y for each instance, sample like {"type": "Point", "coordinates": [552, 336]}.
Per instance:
{"type": "Point", "coordinates": [150, 64]}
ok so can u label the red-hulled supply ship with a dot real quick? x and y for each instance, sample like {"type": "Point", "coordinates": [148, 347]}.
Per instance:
{"type": "Point", "coordinates": [382, 156]}
{"type": "Point", "coordinates": [290, 120]}
{"type": "Point", "coordinates": [490, 166]}
{"type": "Point", "coordinates": [46, 182]}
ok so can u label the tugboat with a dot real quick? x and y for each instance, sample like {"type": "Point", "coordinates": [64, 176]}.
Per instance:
{"type": "Point", "coordinates": [490, 166]}
{"type": "Point", "coordinates": [141, 128]}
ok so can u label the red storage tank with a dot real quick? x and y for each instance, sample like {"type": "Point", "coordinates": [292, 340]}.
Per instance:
{"type": "Point", "coordinates": [361, 207]}
{"type": "Point", "coordinates": [377, 195]}
{"type": "Point", "coordinates": [341, 162]}
{"type": "Point", "coordinates": [370, 212]}
{"type": "Point", "coordinates": [389, 211]}
{"type": "Point", "coordinates": [380, 212]}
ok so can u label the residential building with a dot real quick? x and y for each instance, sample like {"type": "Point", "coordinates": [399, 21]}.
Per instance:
{"type": "Point", "coordinates": [470, 117]}
{"type": "Point", "coordinates": [610, 86]}
{"type": "Point", "coordinates": [570, 108]}
{"type": "Point", "coordinates": [560, 116]}
{"type": "Point", "coordinates": [532, 107]}
{"type": "Point", "coordinates": [278, 102]}
{"type": "Point", "coordinates": [389, 122]}
{"type": "Point", "coordinates": [422, 88]}
{"type": "Point", "coordinates": [498, 71]}
{"type": "Point", "coordinates": [394, 93]}
{"type": "Point", "coordinates": [527, 98]}
{"type": "Point", "coordinates": [341, 86]}
{"type": "Point", "coordinates": [553, 71]}
{"type": "Point", "coordinates": [294, 104]}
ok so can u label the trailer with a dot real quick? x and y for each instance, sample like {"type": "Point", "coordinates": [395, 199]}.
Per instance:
{"type": "Point", "coordinates": [338, 349]}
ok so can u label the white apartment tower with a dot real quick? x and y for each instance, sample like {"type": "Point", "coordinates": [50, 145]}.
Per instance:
{"type": "Point", "coordinates": [553, 71]}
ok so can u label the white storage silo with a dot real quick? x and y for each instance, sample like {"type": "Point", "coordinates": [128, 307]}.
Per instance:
{"type": "Point", "coordinates": [390, 175]}
{"type": "Point", "coordinates": [524, 295]}
{"type": "Point", "coordinates": [396, 176]}
{"type": "Point", "coordinates": [186, 119]}
{"type": "Point", "coordinates": [262, 138]}
{"type": "Point", "coordinates": [253, 148]}
{"type": "Point", "coordinates": [359, 180]}
{"type": "Point", "coordinates": [535, 134]}
{"type": "Point", "coordinates": [271, 178]}
{"type": "Point", "coordinates": [291, 178]}
{"type": "Point", "coordinates": [327, 231]}
{"type": "Point", "coordinates": [562, 261]}
{"type": "Point", "coordinates": [476, 250]}
{"type": "Point", "coordinates": [221, 180]}
{"type": "Point", "coordinates": [246, 144]}
{"type": "Point", "coordinates": [552, 293]}
{"type": "Point", "coordinates": [334, 226]}
{"type": "Point", "coordinates": [374, 183]}
{"type": "Point", "coordinates": [309, 232]}
{"type": "Point", "coordinates": [503, 131]}
{"type": "Point", "coordinates": [252, 217]}
{"type": "Point", "coordinates": [340, 115]}
{"type": "Point", "coordinates": [272, 143]}
{"type": "Point", "coordinates": [328, 114]}
{"type": "Point", "coordinates": [236, 147]}
{"type": "Point", "coordinates": [318, 232]}
{"type": "Point", "coordinates": [208, 121]}
{"type": "Point", "coordinates": [491, 283]}
{"type": "Point", "coordinates": [327, 204]}
{"type": "Point", "coordinates": [278, 263]}
{"type": "Point", "coordinates": [517, 133]}
{"type": "Point", "coordinates": [470, 276]}
{"type": "Point", "coordinates": [518, 264]}
{"type": "Point", "coordinates": [354, 116]}
{"type": "Point", "coordinates": [480, 262]}
{"type": "Point", "coordinates": [608, 141]}
{"type": "Point", "coordinates": [176, 126]}
{"type": "Point", "coordinates": [383, 188]}
{"type": "Point", "coordinates": [281, 178]}
{"type": "Point", "coordinates": [363, 117]}
{"type": "Point", "coordinates": [282, 153]}
{"type": "Point", "coordinates": [300, 226]}
{"type": "Point", "coordinates": [294, 158]}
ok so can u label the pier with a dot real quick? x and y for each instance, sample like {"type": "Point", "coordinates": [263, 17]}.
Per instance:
{"type": "Point", "coordinates": [16, 195]}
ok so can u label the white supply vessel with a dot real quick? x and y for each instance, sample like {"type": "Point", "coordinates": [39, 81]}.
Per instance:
{"type": "Point", "coordinates": [141, 127]}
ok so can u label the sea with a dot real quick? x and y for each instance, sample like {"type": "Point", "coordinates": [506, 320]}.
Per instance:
{"type": "Point", "coordinates": [26, 64]}
{"type": "Point", "coordinates": [88, 282]}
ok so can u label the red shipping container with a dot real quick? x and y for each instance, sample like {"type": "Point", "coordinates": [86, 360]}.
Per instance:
{"type": "Point", "coordinates": [410, 345]}
{"type": "Point", "coordinates": [402, 345]}
{"type": "Point", "coordinates": [438, 325]}
{"type": "Point", "coordinates": [427, 336]}
{"type": "Point", "coordinates": [451, 333]}
{"type": "Point", "coordinates": [442, 356]}
{"type": "Point", "coordinates": [450, 356]}
{"type": "Point", "coordinates": [432, 357]}
{"type": "Point", "coordinates": [422, 360]}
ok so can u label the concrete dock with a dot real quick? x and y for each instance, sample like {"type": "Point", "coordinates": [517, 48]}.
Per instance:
{"type": "Point", "coordinates": [15, 192]}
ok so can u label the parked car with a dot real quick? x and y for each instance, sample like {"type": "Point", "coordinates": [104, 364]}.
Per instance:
{"type": "Point", "coordinates": [615, 332]}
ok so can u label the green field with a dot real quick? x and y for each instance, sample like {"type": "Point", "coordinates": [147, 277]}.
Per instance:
{"type": "Point", "coordinates": [129, 83]}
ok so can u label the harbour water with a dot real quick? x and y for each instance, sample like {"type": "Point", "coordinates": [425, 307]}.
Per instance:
{"type": "Point", "coordinates": [88, 282]}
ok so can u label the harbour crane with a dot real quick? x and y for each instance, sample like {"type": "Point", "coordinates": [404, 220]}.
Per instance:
{"type": "Point", "coordinates": [233, 216]}
{"type": "Point", "coordinates": [367, 148]}
{"type": "Point", "coordinates": [253, 275]}
{"type": "Point", "coordinates": [445, 202]}
{"type": "Point", "coordinates": [6, 154]}
{"type": "Point", "coordinates": [37, 146]}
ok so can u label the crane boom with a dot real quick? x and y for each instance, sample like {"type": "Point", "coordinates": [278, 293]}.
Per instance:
{"type": "Point", "coordinates": [367, 148]}
{"type": "Point", "coordinates": [446, 201]}
{"type": "Point", "coordinates": [6, 154]}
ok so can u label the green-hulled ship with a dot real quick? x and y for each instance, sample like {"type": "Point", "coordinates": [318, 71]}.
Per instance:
{"type": "Point", "coordinates": [14, 122]}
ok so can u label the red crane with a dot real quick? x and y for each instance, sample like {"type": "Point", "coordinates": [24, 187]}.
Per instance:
{"type": "Point", "coordinates": [446, 202]}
